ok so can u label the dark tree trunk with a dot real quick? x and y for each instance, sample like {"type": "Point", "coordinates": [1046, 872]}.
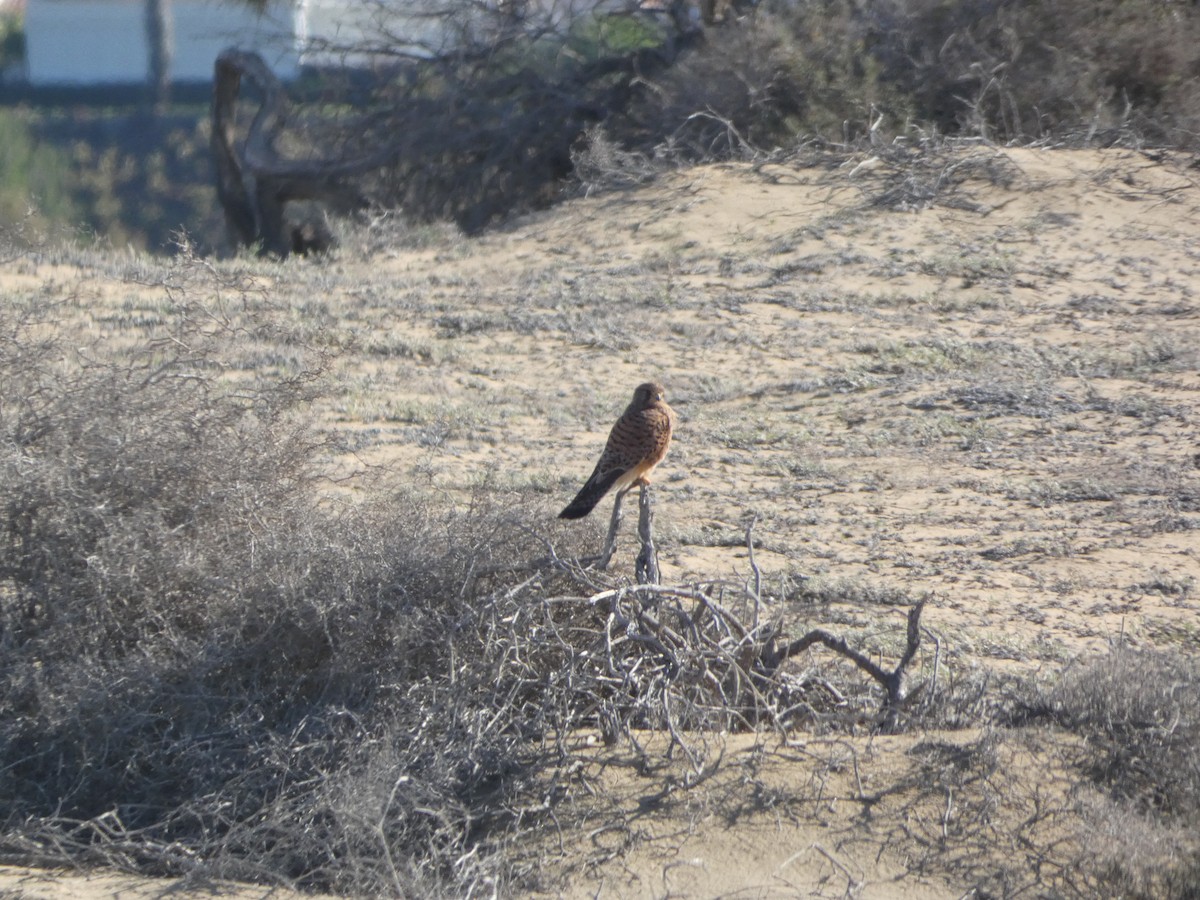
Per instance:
{"type": "Point", "coordinates": [255, 183]}
{"type": "Point", "coordinates": [160, 39]}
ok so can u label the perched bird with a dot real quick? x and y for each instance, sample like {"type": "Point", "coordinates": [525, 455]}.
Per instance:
{"type": "Point", "coordinates": [636, 444]}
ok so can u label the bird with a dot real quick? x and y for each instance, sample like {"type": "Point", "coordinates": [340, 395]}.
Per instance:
{"type": "Point", "coordinates": [636, 444]}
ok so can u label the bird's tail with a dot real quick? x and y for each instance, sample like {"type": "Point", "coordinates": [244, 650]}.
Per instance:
{"type": "Point", "coordinates": [591, 494]}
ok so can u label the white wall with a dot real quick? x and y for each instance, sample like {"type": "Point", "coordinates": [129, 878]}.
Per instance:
{"type": "Point", "coordinates": [327, 29]}
{"type": "Point", "coordinates": [104, 41]}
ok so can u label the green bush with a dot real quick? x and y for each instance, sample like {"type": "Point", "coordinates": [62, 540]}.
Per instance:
{"type": "Point", "coordinates": [33, 177]}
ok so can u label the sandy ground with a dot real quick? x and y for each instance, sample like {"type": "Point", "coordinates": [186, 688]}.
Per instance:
{"type": "Point", "coordinates": [974, 380]}
{"type": "Point", "coordinates": [991, 399]}
{"type": "Point", "coordinates": [18, 883]}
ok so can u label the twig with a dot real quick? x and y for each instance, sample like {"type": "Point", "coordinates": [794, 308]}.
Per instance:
{"type": "Point", "coordinates": [757, 595]}
{"type": "Point", "coordinates": [855, 884]}
{"type": "Point", "coordinates": [937, 661]}
{"type": "Point", "coordinates": [948, 813]}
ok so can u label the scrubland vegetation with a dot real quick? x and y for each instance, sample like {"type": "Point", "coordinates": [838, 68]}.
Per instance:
{"type": "Point", "coordinates": [235, 645]}
{"type": "Point", "coordinates": [500, 123]}
{"type": "Point", "coordinates": [648, 92]}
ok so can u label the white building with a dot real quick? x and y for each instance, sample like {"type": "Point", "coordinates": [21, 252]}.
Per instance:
{"type": "Point", "coordinates": [104, 41]}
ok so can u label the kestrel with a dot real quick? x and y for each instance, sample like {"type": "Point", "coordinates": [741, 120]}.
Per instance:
{"type": "Point", "coordinates": [636, 444]}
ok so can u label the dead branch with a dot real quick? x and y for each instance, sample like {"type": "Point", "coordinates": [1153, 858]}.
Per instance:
{"type": "Point", "coordinates": [892, 682]}
{"type": "Point", "coordinates": [691, 658]}
{"type": "Point", "coordinates": [610, 542]}
{"type": "Point", "coordinates": [254, 182]}
{"type": "Point", "coordinates": [646, 567]}
{"type": "Point", "coordinates": [754, 568]}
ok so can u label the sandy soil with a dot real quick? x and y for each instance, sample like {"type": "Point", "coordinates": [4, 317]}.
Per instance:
{"type": "Point", "coordinates": [975, 379]}
{"type": "Point", "coordinates": [991, 399]}
{"type": "Point", "coordinates": [18, 883]}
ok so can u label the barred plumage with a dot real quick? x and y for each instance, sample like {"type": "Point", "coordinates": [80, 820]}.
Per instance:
{"type": "Point", "coordinates": [636, 444]}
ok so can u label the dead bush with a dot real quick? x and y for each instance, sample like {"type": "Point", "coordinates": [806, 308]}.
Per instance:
{"type": "Point", "coordinates": [139, 482]}
{"type": "Point", "coordinates": [215, 664]}
{"type": "Point", "coordinates": [1137, 715]}
{"type": "Point", "coordinates": [1129, 854]}
{"type": "Point", "coordinates": [210, 661]}
{"type": "Point", "coordinates": [1140, 715]}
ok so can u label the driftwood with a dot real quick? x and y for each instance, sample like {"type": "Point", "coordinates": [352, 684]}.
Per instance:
{"type": "Point", "coordinates": [255, 183]}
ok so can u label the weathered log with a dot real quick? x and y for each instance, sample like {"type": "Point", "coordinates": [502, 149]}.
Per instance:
{"type": "Point", "coordinates": [254, 183]}
{"type": "Point", "coordinates": [470, 142]}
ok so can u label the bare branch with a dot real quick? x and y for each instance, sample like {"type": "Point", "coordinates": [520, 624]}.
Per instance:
{"type": "Point", "coordinates": [646, 567]}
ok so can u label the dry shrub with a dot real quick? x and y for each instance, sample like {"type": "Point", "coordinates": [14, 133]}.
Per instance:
{"type": "Point", "coordinates": [1021, 70]}
{"type": "Point", "coordinates": [599, 162]}
{"type": "Point", "coordinates": [1129, 854]}
{"type": "Point", "coordinates": [214, 664]}
{"type": "Point", "coordinates": [1006, 70]}
{"type": "Point", "coordinates": [1138, 714]}
{"type": "Point", "coordinates": [141, 480]}
{"type": "Point", "coordinates": [982, 69]}
{"type": "Point", "coordinates": [740, 92]}
{"type": "Point", "coordinates": [211, 663]}
{"type": "Point", "coordinates": [1015, 70]}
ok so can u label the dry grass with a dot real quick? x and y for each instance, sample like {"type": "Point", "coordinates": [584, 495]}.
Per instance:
{"type": "Point", "coordinates": [280, 598]}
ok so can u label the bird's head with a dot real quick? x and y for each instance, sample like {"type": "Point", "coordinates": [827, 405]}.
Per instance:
{"type": "Point", "coordinates": [648, 393]}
